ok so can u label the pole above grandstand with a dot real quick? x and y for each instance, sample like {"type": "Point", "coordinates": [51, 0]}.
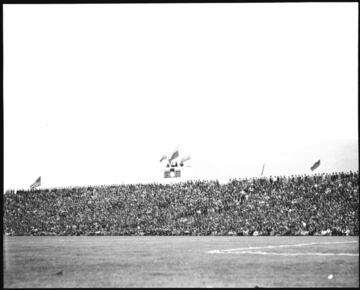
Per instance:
{"type": "Point", "coordinates": [262, 171]}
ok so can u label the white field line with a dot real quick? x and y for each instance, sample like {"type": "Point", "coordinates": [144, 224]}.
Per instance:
{"type": "Point", "coordinates": [243, 250]}
{"type": "Point", "coordinates": [292, 254]}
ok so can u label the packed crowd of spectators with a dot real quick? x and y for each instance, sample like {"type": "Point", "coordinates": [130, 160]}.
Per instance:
{"type": "Point", "coordinates": [323, 204]}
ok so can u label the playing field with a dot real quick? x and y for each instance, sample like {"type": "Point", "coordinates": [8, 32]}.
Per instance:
{"type": "Point", "coordinates": [150, 261]}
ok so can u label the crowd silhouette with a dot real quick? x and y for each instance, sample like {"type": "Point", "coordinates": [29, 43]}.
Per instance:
{"type": "Point", "coordinates": [322, 204]}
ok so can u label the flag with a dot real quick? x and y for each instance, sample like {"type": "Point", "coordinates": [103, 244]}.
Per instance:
{"type": "Point", "coordinates": [262, 171]}
{"type": "Point", "coordinates": [36, 183]}
{"type": "Point", "coordinates": [316, 165]}
{"type": "Point", "coordinates": [186, 158]}
{"type": "Point", "coordinates": [174, 155]}
{"type": "Point", "coordinates": [163, 158]}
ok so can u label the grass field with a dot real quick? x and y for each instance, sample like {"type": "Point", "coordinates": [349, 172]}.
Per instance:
{"type": "Point", "coordinates": [151, 261]}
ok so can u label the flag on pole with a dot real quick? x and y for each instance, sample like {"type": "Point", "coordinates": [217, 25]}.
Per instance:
{"type": "Point", "coordinates": [262, 171]}
{"type": "Point", "coordinates": [36, 183]}
{"type": "Point", "coordinates": [316, 165]}
{"type": "Point", "coordinates": [174, 155]}
{"type": "Point", "coordinates": [163, 158]}
{"type": "Point", "coordinates": [186, 158]}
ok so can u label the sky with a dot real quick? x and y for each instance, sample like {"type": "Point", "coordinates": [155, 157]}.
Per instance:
{"type": "Point", "coordinates": [97, 93]}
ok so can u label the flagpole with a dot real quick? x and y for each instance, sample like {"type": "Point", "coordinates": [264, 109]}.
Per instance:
{"type": "Point", "coordinates": [262, 171]}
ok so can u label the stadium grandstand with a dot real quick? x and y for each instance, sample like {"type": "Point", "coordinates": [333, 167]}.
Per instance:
{"type": "Point", "coordinates": [319, 204]}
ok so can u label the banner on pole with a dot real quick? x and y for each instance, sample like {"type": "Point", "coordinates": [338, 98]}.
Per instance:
{"type": "Point", "coordinates": [37, 183]}
{"type": "Point", "coordinates": [316, 165]}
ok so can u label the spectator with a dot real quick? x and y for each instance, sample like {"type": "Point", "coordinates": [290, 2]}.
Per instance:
{"type": "Point", "coordinates": [296, 205]}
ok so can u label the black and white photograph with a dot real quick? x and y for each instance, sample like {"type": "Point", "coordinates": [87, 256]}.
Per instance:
{"type": "Point", "coordinates": [181, 145]}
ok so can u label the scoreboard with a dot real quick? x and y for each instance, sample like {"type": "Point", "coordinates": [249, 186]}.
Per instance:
{"type": "Point", "coordinates": [172, 173]}
{"type": "Point", "coordinates": [174, 168]}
